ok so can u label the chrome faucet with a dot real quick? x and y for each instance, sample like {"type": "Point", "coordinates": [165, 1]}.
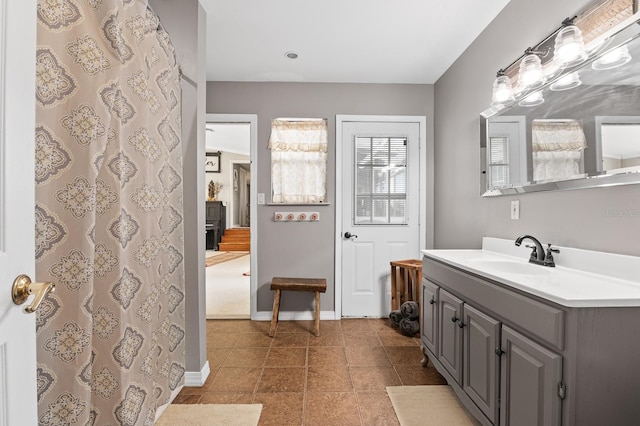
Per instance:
{"type": "Point", "coordinates": [538, 255]}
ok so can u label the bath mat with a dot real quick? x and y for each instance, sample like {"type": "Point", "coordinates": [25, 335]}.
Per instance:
{"type": "Point", "coordinates": [211, 414]}
{"type": "Point", "coordinates": [435, 405]}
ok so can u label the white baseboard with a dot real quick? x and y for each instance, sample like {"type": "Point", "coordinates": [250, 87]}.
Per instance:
{"type": "Point", "coordinates": [197, 378]}
{"type": "Point", "coordinates": [294, 315]}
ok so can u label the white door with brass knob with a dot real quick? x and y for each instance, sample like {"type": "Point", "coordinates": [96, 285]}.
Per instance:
{"type": "Point", "coordinates": [18, 397]}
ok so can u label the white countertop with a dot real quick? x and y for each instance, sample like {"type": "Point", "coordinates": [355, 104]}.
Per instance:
{"type": "Point", "coordinates": [594, 279]}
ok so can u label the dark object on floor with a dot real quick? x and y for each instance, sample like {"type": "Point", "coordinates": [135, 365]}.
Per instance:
{"type": "Point", "coordinates": [317, 285]}
{"type": "Point", "coordinates": [410, 310]}
{"type": "Point", "coordinates": [409, 327]}
{"type": "Point", "coordinates": [394, 318]}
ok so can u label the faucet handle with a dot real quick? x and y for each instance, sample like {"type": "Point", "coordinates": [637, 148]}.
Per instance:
{"type": "Point", "coordinates": [548, 260]}
{"type": "Point", "coordinates": [534, 252]}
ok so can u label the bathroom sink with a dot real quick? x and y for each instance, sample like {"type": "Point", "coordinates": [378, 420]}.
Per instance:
{"type": "Point", "coordinates": [508, 267]}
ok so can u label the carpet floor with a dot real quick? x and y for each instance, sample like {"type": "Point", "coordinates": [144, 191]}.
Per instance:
{"type": "Point", "coordinates": [211, 414]}
{"type": "Point", "coordinates": [428, 406]}
{"type": "Point", "coordinates": [228, 294]}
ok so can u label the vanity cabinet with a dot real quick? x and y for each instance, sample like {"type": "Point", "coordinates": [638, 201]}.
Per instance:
{"type": "Point", "coordinates": [450, 340]}
{"type": "Point", "coordinates": [481, 363]}
{"type": "Point", "coordinates": [503, 376]}
{"type": "Point", "coordinates": [429, 326]}
{"type": "Point", "coordinates": [531, 377]}
{"type": "Point", "coordinates": [539, 346]}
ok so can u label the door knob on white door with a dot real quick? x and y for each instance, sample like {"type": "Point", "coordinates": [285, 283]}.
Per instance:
{"type": "Point", "coordinates": [23, 287]}
{"type": "Point", "coordinates": [348, 235]}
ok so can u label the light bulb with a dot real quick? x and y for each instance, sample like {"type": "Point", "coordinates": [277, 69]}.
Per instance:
{"type": "Point", "coordinates": [502, 91]}
{"type": "Point", "coordinates": [532, 99]}
{"type": "Point", "coordinates": [530, 75]}
{"type": "Point", "coordinates": [612, 59]}
{"type": "Point", "coordinates": [567, 82]}
{"type": "Point", "coordinates": [569, 47]}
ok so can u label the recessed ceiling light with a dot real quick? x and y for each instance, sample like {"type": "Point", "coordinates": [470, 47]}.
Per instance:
{"type": "Point", "coordinates": [291, 55]}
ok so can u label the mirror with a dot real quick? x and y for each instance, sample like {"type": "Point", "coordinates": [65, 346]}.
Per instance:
{"type": "Point", "coordinates": [586, 132]}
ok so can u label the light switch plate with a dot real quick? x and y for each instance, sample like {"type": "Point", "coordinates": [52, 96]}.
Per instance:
{"type": "Point", "coordinates": [261, 198]}
{"type": "Point", "coordinates": [515, 209]}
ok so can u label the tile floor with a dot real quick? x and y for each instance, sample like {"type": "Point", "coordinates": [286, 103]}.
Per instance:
{"type": "Point", "coordinates": [338, 378]}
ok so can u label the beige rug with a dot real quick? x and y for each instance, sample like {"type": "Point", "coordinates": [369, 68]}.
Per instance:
{"type": "Point", "coordinates": [434, 405]}
{"type": "Point", "coordinates": [224, 257]}
{"type": "Point", "coordinates": [211, 414]}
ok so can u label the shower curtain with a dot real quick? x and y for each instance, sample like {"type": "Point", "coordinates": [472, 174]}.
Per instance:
{"type": "Point", "coordinates": [108, 213]}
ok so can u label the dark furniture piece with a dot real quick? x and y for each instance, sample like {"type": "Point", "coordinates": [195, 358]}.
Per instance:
{"type": "Point", "coordinates": [317, 285]}
{"type": "Point", "coordinates": [216, 223]}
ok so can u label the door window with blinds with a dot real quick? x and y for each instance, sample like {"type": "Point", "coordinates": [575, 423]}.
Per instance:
{"type": "Point", "coordinates": [380, 181]}
{"type": "Point", "coordinates": [498, 162]}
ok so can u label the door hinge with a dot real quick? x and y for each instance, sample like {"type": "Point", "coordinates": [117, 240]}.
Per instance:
{"type": "Point", "coordinates": [562, 390]}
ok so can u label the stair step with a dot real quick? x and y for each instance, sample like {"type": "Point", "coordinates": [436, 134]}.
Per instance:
{"type": "Point", "coordinates": [238, 231]}
{"type": "Point", "coordinates": [233, 238]}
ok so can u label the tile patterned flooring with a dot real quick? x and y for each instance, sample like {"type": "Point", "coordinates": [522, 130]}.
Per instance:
{"type": "Point", "coordinates": [338, 378]}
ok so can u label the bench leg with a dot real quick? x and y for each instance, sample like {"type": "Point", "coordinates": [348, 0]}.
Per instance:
{"type": "Point", "coordinates": [276, 309]}
{"type": "Point", "coordinates": [317, 313]}
{"type": "Point", "coordinates": [394, 296]}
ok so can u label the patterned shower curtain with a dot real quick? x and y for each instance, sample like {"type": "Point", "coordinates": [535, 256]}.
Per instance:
{"type": "Point", "coordinates": [108, 213]}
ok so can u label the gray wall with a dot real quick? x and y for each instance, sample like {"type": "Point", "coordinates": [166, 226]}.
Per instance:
{"type": "Point", "coordinates": [186, 27]}
{"type": "Point", "coordinates": [606, 219]}
{"type": "Point", "coordinates": [307, 249]}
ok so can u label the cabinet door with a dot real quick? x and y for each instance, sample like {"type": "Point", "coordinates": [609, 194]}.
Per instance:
{"type": "Point", "coordinates": [429, 315]}
{"type": "Point", "coordinates": [450, 334]}
{"type": "Point", "coordinates": [530, 375]}
{"type": "Point", "coordinates": [481, 362]}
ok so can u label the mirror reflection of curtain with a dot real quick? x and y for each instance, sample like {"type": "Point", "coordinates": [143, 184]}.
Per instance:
{"type": "Point", "coordinates": [557, 147]}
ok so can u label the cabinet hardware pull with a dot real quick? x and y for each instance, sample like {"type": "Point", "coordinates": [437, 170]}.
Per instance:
{"type": "Point", "coordinates": [460, 324]}
{"type": "Point", "coordinates": [432, 301]}
{"type": "Point", "coordinates": [499, 351]}
{"type": "Point", "coordinates": [454, 319]}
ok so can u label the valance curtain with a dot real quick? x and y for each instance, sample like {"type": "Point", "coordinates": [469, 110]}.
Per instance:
{"type": "Point", "coordinates": [557, 147]}
{"type": "Point", "coordinates": [299, 161]}
{"type": "Point", "coordinates": [108, 214]}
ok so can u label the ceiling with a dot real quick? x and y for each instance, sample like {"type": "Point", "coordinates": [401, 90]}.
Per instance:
{"type": "Point", "coordinates": [354, 41]}
{"type": "Point", "coordinates": [229, 137]}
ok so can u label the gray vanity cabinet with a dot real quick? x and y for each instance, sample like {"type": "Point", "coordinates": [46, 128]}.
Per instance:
{"type": "Point", "coordinates": [481, 361]}
{"type": "Point", "coordinates": [450, 334]}
{"type": "Point", "coordinates": [429, 326]}
{"type": "Point", "coordinates": [529, 382]}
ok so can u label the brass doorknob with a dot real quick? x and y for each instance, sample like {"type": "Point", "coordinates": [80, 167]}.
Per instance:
{"type": "Point", "coordinates": [23, 287]}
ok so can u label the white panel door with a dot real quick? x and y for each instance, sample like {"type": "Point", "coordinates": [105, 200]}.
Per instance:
{"type": "Point", "coordinates": [17, 228]}
{"type": "Point", "coordinates": [380, 210]}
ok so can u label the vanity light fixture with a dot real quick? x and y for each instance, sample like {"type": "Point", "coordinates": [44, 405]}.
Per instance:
{"type": "Point", "coordinates": [531, 74]}
{"type": "Point", "coordinates": [612, 59]}
{"type": "Point", "coordinates": [566, 82]}
{"type": "Point", "coordinates": [537, 67]}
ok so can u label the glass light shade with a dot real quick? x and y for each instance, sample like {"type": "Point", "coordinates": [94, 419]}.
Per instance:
{"type": "Point", "coordinates": [569, 47]}
{"type": "Point", "coordinates": [532, 99]}
{"type": "Point", "coordinates": [530, 75]}
{"type": "Point", "coordinates": [502, 91]}
{"type": "Point", "coordinates": [615, 58]}
{"type": "Point", "coordinates": [567, 82]}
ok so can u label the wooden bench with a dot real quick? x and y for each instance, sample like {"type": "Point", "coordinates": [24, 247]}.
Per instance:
{"type": "Point", "coordinates": [406, 276]}
{"type": "Point", "coordinates": [317, 285]}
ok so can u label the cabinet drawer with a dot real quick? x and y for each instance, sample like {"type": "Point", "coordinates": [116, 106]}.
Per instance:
{"type": "Point", "coordinates": [545, 322]}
